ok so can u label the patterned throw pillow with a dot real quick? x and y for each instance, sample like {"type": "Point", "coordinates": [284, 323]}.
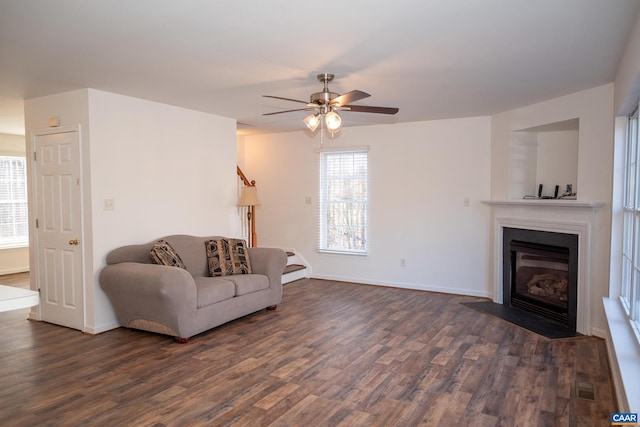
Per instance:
{"type": "Point", "coordinates": [163, 253]}
{"type": "Point", "coordinates": [227, 257]}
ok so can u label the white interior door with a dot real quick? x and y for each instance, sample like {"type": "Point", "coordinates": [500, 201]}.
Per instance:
{"type": "Point", "coordinates": [59, 224]}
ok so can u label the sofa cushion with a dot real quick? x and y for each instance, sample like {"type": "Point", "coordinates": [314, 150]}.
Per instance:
{"type": "Point", "coordinates": [163, 253]}
{"type": "Point", "coordinates": [227, 256]}
{"type": "Point", "coordinates": [247, 283]}
{"type": "Point", "coordinates": [213, 289]}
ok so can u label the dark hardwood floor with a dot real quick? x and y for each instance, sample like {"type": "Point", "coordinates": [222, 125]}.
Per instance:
{"type": "Point", "coordinates": [332, 354]}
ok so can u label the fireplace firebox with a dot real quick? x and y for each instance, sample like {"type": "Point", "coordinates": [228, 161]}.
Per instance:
{"type": "Point", "coordinates": [540, 273]}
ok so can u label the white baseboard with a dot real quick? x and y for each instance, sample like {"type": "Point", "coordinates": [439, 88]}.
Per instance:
{"type": "Point", "coordinates": [600, 333]}
{"type": "Point", "coordinates": [94, 330]}
{"type": "Point", "coordinates": [401, 285]}
{"type": "Point", "coordinates": [14, 270]}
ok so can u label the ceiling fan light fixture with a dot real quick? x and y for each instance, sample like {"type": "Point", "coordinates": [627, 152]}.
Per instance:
{"type": "Point", "coordinates": [312, 121]}
{"type": "Point", "coordinates": [333, 121]}
{"type": "Point", "coordinates": [326, 104]}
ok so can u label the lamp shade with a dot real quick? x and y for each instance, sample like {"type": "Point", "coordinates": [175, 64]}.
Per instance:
{"type": "Point", "coordinates": [312, 121]}
{"type": "Point", "coordinates": [249, 197]}
{"type": "Point", "coordinates": [333, 120]}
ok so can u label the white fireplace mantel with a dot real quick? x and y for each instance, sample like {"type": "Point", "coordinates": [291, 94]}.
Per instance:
{"type": "Point", "coordinates": [546, 203]}
{"type": "Point", "coordinates": [554, 215]}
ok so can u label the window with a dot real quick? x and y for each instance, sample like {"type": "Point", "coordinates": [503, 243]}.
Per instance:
{"type": "Point", "coordinates": [344, 201]}
{"type": "Point", "coordinates": [630, 290]}
{"type": "Point", "coordinates": [14, 222]}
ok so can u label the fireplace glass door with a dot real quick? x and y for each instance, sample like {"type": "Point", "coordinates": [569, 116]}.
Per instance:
{"type": "Point", "coordinates": [541, 276]}
{"type": "Point", "coordinates": [540, 273]}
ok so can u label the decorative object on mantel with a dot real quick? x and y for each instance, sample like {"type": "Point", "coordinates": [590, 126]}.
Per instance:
{"type": "Point", "coordinates": [325, 106]}
{"type": "Point", "coordinates": [567, 195]}
{"type": "Point", "coordinates": [249, 198]}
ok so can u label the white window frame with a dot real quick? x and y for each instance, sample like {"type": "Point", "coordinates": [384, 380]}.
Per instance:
{"type": "Point", "coordinates": [361, 179]}
{"type": "Point", "coordinates": [18, 241]}
{"type": "Point", "coordinates": [630, 268]}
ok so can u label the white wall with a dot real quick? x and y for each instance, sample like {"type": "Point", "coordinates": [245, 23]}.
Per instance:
{"type": "Point", "coordinates": [420, 174]}
{"type": "Point", "coordinates": [169, 170]}
{"type": "Point", "coordinates": [523, 165]}
{"type": "Point", "coordinates": [13, 260]}
{"type": "Point", "coordinates": [627, 83]}
{"type": "Point", "coordinates": [594, 109]}
{"type": "Point", "coordinates": [557, 162]}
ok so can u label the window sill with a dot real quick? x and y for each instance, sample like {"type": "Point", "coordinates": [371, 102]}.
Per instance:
{"type": "Point", "coordinates": [624, 347]}
{"type": "Point", "coordinates": [337, 252]}
{"type": "Point", "coordinates": [14, 246]}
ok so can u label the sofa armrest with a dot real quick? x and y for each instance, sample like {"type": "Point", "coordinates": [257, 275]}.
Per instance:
{"type": "Point", "coordinates": [270, 262]}
{"type": "Point", "coordinates": [162, 294]}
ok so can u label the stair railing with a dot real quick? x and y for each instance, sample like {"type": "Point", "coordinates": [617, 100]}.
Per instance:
{"type": "Point", "coordinates": [248, 227]}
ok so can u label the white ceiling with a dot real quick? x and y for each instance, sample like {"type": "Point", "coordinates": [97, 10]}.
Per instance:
{"type": "Point", "coordinates": [433, 59]}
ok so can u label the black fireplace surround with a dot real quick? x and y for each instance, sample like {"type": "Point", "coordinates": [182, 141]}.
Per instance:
{"type": "Point", "coordinates": [540, 273]}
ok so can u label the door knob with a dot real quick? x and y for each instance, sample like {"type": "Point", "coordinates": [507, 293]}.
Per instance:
{"type": "Point", "coordinates": [73, 241]}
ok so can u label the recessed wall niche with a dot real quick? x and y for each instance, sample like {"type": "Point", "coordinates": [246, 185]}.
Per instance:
{"type": "Point", "coordinates": [546, 155]}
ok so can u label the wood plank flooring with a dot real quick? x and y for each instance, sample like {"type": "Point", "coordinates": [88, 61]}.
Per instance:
{"type": "Point", "coordinates": [332, 354]}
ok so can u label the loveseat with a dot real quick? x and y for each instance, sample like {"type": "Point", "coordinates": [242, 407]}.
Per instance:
{"type": "Point", "coordinates": [185, 300]}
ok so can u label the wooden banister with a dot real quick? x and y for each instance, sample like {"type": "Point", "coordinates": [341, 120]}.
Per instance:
{"type": "Point", "coordinates": [243, 177]}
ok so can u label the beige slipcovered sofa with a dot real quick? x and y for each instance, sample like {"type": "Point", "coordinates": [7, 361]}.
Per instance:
{"type": "Point", "coordinates": [183, 302]}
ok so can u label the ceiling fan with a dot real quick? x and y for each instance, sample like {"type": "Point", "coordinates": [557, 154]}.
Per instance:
{"type": "Point", "coordinates": [326, 104]}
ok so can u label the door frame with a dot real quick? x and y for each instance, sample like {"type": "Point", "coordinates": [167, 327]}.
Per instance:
{"type": "Point", "coordinates": [34, 260]}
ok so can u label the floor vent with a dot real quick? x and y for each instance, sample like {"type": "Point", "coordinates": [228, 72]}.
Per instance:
{"type": "Point", "coordinates": [585, 390]}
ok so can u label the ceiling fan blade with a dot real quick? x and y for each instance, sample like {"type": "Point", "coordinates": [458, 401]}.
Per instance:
{"type": "Point", "coordinates": [353, 96]}
{"type": "Point", "coordinates": [285, 99]}
{"type": "Point", "coordinates": [288, 111]}
{"type": "Point", "coordinates": [368, 109]}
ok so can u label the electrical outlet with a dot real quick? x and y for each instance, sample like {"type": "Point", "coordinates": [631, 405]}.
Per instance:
{"type": "Point", "coordinates": [466, 202]}
{"type": "Point", "coordinates": [108, 204]}
{"type": "Point", "coordinates": [403, 263]}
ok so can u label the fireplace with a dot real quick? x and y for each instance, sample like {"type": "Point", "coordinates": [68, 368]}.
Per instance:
{"type": "Point", "coordinates": [540, 273]}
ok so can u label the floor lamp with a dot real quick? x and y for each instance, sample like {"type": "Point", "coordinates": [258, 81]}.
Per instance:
{"type": "Point", "coordinates": [249, 198]}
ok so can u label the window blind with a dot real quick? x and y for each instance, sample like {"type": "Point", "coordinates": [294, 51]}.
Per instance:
{"type": "Point", "coordinates": [344, 201]}
{"type": "Point", "coordinates": [14, 220]}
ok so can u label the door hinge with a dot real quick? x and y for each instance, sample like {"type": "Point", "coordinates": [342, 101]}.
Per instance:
{"type": "Point", "coordinates": [36, 222]}
{"type": "Point", "coordinates": [39, 291]}
{"type": "Point", "coordinates": [34, 156]}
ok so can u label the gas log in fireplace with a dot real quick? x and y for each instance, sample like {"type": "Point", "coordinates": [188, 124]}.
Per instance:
{"type": "Point", "coordinates": [540, 273]}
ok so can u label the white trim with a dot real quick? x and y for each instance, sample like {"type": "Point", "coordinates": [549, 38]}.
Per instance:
{"type": "Point", "coordinates": [343, 252]}
{"type": "Point", "coordinates": [94, 330]}
{"type": "Point", "coordinates": [405, 285]}
{"type": "Point", "coordinates": [9, 246]}
{"type": "Point", "coordinates": [14, 270]}
{"type": "Point", "coordinates": [624, 356]}
{"type": "Point", "coordinates": [551, 203]}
